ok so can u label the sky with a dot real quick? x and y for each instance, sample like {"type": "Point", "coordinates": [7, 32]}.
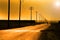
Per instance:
{"type": "Point", "coordinates": [46, 9]}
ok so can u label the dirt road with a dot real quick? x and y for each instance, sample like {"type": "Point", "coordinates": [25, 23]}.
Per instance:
{"type": "Point", "coordinates": [24, 33]}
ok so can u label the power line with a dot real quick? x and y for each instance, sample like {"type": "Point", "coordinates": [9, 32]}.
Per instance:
{"type": "Point", "coordinates": [44, 18]}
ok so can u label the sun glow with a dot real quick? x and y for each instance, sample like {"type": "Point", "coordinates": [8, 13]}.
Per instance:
{"type": "Point", "coordinates": [57, 3]}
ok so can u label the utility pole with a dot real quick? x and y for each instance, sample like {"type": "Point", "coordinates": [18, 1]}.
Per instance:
{"type": "Point", "coordinates": [20, 10]}
{"type": "Point", "coordinates": [31, 9]}
{"type": "Point", "coordinates": [36, 15]}
{"type": "Point", "coordinates": [8, 12]}
{"type": "Point", "coordinates": [39, 16]}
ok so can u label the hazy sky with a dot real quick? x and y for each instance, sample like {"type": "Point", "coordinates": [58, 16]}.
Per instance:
{"type": "Point", "coordinates": [49, 9]}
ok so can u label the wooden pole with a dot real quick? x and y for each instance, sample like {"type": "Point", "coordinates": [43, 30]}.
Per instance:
{"type": "Point", "coordinates": [19, 12]}
{"type": "Point", "coordinates": [36, 15]}
{"type": "Point", "coordinates": [8, 12]}
{"type": "Point", "coordinates": [31, 8]}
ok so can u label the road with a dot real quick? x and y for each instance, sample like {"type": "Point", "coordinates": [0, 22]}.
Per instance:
{"type": "Point", "coordinates": [24, 33]}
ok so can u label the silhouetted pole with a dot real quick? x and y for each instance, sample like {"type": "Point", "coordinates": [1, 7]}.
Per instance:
{"type": "Point", "coordinates": [31, 9]}
{"type": "Point", "coordinates": [8, 12]}
{"type": "Point", "coordinates": [39, 17]}
{"type": "Point", "coordinates": [20, 10]}
{"type": "Point", "coordinates": [8, 9]}
{"type": "Point", "coordinates": [36, 15]}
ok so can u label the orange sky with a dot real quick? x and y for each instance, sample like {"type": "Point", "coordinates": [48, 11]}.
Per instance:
{"type": "Point", "coordinates": [47, 8]}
